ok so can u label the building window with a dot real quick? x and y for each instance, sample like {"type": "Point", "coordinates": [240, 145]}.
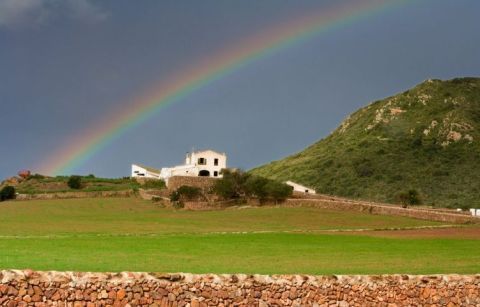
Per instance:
{"type": "Point", "coordinates": [202, 161]}
{"type": "Point", "coordinates": [215, 162]}
{"type": "Point", "coordinates": [215, 174]}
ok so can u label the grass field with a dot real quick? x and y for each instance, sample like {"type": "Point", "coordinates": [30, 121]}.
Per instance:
{"type": "Point", "coordinates": [135, 235]}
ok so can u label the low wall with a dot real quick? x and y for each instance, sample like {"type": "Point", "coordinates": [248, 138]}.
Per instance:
{"type": "Point", "coordinates": [204, 183]}
{"type": "Point", "coordinates": [384, 210]}
{"type": "Point", "coordinates": [28, 288]}
{"type": "Point", "coordinates": [66, 195]}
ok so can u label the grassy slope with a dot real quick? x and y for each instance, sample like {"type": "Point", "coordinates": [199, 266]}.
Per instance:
{"type": "Point", "coordinates": [90, 184]}
{"type": "Point", "coordinates": [244, 253]}
{"type": "Point", "coordinates": [114, 216]}
{"type": "Point", "coordinates": [130, 234]}
{"type": "Point", "coordinates": [377, 152]}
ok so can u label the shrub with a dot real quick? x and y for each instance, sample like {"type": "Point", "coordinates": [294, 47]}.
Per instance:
{"type": "Point", "coordinates": [174, 196]}
{"type": "Point", "coordinates": [7, 193]}
{"type": "Point", "coordinates": [364, 168]}
{"type": "Point", "coordinates": [36, 176]}
{"type": "Point", "coordinates": [237, 184]}
{"type": "Point", "coordinates": [178, 205]}
{"type": "Point", "coordinates": [185, 193]}
{"type": "Point", "coordinates": [278, 191]}
{"type": "Point", "coordinates": [154, 184]}
{"type": "Point", "coordinates": [232, 185]}
{"type": "Point", "coordinates": [411, 197]}
{"type": "Point", "coordinates": [255, 187]}
{"type": "Point", "coordinates": [189, 193]}
{"type": "Point", "coordinates": [75, 182]}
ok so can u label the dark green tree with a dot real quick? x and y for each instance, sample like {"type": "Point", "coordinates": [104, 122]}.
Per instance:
{"type": "Point", "coordinates": [255, 187]}
{"type": "Point", "coordinates": [232, 185]}
{"type": "Point", "coordinates": [75, 182]}
{"type": "Point", "coordinates": [278, 191]}
{"type": "Point", "coordinates": [410, 198]}
{"type": "Point", "coordinates": [7, 193]}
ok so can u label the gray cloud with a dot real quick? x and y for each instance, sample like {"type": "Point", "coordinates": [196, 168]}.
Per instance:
{"type": "Point", "coordinates": [22, 13]}
{"type": "Point", "coordinates": [85, 10]}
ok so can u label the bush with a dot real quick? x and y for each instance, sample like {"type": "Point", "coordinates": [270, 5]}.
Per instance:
{"type": "Point", "coordinates": [364, 168]}
{"type": "Point", "coordinates": [278, 191]}
{"type": "Point", "coordinates": [411, 197]}
{"type": "Point", "coordinates": [232, 185]}
{"type": "Point", "coordinates": [185, 193]}
{"type": "Point", "coordinates": [154, 184]}
{"type": "Point", "coordinates": [255, 187]}
{"type": "Point", "coordinates": [7, 193]}
{"type": "Point", "coordinates": [174, 196]}
{"type": "Point", "coordinates": [36, 176]}
{"type": "Point", "coordinates": [178, 205]}
{"type": "Point", "coordinates": [75, 182]}
{"type": "Point", "coordinates": [235, 185]}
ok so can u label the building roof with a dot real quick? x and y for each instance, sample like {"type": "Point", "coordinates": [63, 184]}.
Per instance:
{"type": "Point", "coordinates": [291, 183]}
{"type": "Point", "coordinates": [196, 152]}
{"type": "Point", "coordinates": [150, 169]}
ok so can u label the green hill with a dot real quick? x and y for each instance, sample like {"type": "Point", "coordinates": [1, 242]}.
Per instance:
{"type": "Point", "coordinates": [426, 138]}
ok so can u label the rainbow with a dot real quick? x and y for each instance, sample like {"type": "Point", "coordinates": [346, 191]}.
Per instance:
{"type": "Point", "coordinates": [81, 148]}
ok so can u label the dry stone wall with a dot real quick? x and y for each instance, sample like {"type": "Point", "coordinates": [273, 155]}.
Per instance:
{"type": "Point", "coordinates": [68, 195]}
{"type": "Point", "coordinates": [29, 288]}
{"type": "Point", "coordinates": [204, 183]}
{"type": "Point", "coordinates": [380, 209]}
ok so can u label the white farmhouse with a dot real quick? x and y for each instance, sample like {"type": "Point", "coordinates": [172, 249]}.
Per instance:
{"type": "Point", "coordinates": [205, 163]}
{"type": "Point", "coordinates": [300, 188]}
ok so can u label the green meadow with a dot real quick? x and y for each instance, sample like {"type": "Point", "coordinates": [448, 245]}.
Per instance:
{"type": "Point", "coordinates": [130, 234]}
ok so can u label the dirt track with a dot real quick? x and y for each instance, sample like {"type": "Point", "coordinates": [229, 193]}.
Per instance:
{"type": "Point", "coordinates": [453, 233]}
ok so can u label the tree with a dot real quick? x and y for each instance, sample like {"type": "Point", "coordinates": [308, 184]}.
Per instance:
{"type": "Point", "coordinates": [278, 191]}
{"type": "Point", "coordinates": [231, 185]}
{"type": "Point", "coordinates": [75, 182]}
{"type": "Point", "coordinates": [410, 197]}
{"type": "Point", "coordinates": [255, 187]}
{"type": "Point", "coordinates": [7, 193]}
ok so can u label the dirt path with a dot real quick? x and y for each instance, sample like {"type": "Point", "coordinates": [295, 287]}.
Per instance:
{"type": "Point", "coordinates": [447, 233]}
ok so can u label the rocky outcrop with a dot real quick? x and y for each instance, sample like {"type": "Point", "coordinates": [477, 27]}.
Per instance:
{"type": "Point", "coordinates": [29, 288]}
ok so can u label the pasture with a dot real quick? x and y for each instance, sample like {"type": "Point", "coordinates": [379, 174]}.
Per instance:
{"type": "Point", "coordinates": [119, 234]}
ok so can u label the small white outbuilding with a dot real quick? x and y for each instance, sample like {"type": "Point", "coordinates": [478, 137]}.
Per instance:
{"type": "Point", "coordinates": [475, 212]}
{"type": "Point", "coordinates": [300, 188]}
{"type": "Point", "coordinates": [144, 171]}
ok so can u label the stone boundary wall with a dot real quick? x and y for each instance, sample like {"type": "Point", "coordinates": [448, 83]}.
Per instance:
{"type": "Point", "coordinates": [380, 209]}
{"type": "Point", "coordinates": [66, 195]}
{"type": "Point", "coordinates": [204, 183]}
{"type": "Point", "coordinates": [29, 288]}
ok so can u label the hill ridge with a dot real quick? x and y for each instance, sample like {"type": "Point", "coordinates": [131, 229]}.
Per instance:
{"type": "Point", "coordinates": [425, 138]}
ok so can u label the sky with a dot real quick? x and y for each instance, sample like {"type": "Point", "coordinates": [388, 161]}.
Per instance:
{"type": "Point", "coordinates": [67, 65]}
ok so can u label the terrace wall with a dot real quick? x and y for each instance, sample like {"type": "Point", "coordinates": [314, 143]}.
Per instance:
{"type": "Point", "coordinates": [380, 209]}
{"type": "Point", "coordinates": [28, 288]}
{"type": "Point", "coordinates": [204, 183]}
{"type": "Point", "coordinates": [67, 195]}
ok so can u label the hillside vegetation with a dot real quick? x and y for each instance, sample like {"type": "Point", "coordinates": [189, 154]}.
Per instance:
{"type": "Point", "coordinates": [426, 139]}
{"type": "Point", "coordinates": [39, 184]}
